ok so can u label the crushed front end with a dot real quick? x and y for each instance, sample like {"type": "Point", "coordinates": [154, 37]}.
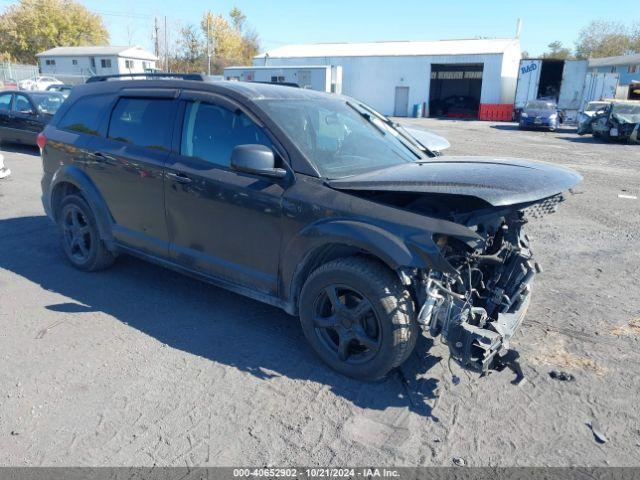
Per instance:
{"type": "Point", "coordinates": [477, 309]}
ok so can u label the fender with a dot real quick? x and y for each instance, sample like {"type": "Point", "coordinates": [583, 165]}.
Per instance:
{"type": "Point", "coordinates": [75, 176]}
{"type": "Point", "coordinates": [391, 249]}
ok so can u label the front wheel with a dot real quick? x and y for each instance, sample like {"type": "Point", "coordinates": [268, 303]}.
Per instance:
{"type": "Point", "coordinates": [358, 318]}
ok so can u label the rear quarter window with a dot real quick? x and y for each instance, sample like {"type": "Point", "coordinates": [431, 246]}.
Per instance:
{"type": "Point", "coordinates": [84, 115]}
{"type": "Point", "coordinates": [145, 122]}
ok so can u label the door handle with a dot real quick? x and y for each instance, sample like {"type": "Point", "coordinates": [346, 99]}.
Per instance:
{"type": "Point", "coordinates": [100, 157]}
{"type": "Point", "coordinates": [178, 177]}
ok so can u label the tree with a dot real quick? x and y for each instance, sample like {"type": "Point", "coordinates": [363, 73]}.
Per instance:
{"type": "Point", "coordinates": [32, 26]}
{"type": "Point", "coordinates": [230, 44]}
{"type": "Point", "coordinates": [606, 39]}
{"type": "Point", "coordinates": [191, 51]}
{"type": "Point", "coordinates": [556, 50]}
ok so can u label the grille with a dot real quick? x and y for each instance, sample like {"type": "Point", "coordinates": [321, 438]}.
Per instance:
{"type": "Point", "coordinates": [545, 207]}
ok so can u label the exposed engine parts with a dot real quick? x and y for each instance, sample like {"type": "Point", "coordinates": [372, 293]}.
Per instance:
{"type": "Point", "coordinates": [477, 310]}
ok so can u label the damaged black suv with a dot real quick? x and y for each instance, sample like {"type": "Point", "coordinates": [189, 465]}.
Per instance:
{"type": "Point", "coordinates": [304, 200]}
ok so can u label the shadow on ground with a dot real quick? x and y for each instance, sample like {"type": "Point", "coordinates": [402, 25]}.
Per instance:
{"type": "Point", "coordinates": [514, 126]}
{"type": "Point", "coordinates": [200, 319]}
{"type": "Point", "coordinates": [590, 139]}
{"type": "Point", "coordinates": [19, 148]}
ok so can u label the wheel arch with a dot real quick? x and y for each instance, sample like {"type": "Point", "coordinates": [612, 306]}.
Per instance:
{"type": "Point", "coordinates": [71, 180]}
{"type": "Point", "coordinates": [322, 243]}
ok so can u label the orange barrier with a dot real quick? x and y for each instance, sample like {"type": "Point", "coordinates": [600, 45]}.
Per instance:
{"type": "Point", "coordinates": [496, 112]}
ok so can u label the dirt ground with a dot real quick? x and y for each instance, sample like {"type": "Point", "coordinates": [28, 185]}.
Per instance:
{"type": "Point", "coordinates": [141, 366]}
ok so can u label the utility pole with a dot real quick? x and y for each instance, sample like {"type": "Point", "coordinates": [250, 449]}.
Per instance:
{"type": "Point", "coordinates": [156, 40]}
{"type": "Point", "coordinates": [166, 45]}
{"type": "Point", "coordinates": [208, 47]}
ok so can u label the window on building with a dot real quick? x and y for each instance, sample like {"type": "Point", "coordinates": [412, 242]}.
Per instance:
{"type": "Point", "coordinates": [129, 63]}
{"type": "Point", "coordinates": [105, 63]}
{"type": "Point", "coordinates": [93, 62]}
{"type": "Point", "coordinates": [278, 79]}
{"type": "Point", "coordinates": [210, 132]}
{"type": "Point", "coordinates": [142, 121]}
{"type": "Point", "coordinates": [74, 62]}
{"type": "Point", "coordinates": [50, 62]}
{"type": "Point", "coordinates": [632, 69]}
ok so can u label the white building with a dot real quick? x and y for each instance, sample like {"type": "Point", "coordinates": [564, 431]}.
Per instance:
{"type": "Point", "coordinates": [393, 77]}
{"type": "Point", "coordinates": [323, 78]}
{"type": "Point", "coordinates": [89, 61]}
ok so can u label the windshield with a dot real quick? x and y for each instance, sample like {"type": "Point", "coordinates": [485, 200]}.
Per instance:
{"type": "Point", "coordinates": [595, 106]}
{"type": "Point", "coordinates": [338, 137]}
{"type": "Point", "coordinates": [47, 102]}
{"type": "Point", "coordinates": [628, 112]}
{"type": "Point", "coordinates": [540, 105]}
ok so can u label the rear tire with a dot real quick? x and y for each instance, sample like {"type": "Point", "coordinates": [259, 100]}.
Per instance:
{"type": "Point", "coordinates": [358, 317]}
{"type": "Point", "coordinates": [81, 240]}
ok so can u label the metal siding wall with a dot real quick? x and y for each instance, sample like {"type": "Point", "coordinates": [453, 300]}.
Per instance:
{"type": "Point", "coordinates": [374, 79]}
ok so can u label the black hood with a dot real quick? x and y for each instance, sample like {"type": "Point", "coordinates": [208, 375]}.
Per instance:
{"type": "Point", "coordinates": [498, 181]}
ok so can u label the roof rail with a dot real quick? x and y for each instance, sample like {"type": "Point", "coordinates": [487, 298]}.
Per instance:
{"type": "Point", "coordinates": [126, 76]}
{"type": "Point", "coordinates": [283, 84]}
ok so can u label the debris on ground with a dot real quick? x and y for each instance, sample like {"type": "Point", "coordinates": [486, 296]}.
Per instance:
{"type": "Point", "coordinates": [459, 461]}
{"type": "Point", "coordinates": [557, 355]}
{"type": "Point", "coordinates": [597, 431]}
{"type": "Point", "coordinates": [455, 380]}
{"type": "Point", "coordinates": [631, 329]}
{"type": "Point", "coordinates": [14, 433]}
{"type": "Point", "coordinates": [561, 376]}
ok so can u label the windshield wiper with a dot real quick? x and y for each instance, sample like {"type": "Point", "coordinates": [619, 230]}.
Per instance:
{"type": "Point", "coordinates": [367, 117]}
{"type": "Point", "coordinates": [403, 134]}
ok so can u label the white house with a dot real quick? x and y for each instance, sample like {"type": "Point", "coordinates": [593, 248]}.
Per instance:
{"type": "Point", "coordinates": [89, 61]}
{"type": "Point", "coordinates": [393, 77]}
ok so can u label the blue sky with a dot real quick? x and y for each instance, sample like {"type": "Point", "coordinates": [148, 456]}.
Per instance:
{"type": "Point", "coordinates": [280, 22]}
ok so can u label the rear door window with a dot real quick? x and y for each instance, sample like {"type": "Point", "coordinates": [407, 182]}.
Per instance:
{"type": "Point", "coordinates": [145, 122]}
{"type": "Point", "coordinates": [22, 104]}
{"type": "Point", "coordinates": [211, 132]}
{"type": "Point", "coordinates": [5, 101]}
{"type": "Point", "coordinates": [84, 115]}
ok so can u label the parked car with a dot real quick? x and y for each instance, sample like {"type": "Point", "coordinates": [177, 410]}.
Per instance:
{"type": "Point", "coordinates": [24, 114]}
{"type": "Point", "coordinates": [455, 106]}
{"type": "Point", "coordinates": [8, 84]}
{"type": "Point", "coordinates": [618, 121]}
{"type": "Point", "coordinates": [540, 114]}
{"type": "Point", "coordinates": [38, 83]}
{"type": "Point", "coordinates": [586, 116]}
{"type": "Point", "coordinates": [63, 88]}
{"type": "Point", "coordinates": [305, 201]}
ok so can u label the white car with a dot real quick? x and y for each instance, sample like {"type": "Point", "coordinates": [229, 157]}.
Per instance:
{"type": "Point", "coordinates": [38, 83]}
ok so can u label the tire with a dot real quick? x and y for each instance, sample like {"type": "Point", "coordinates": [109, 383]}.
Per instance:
{"type": "Point", "coordinates": [358, 318]}
{"type": "Point", "coordinates": [81, 241]}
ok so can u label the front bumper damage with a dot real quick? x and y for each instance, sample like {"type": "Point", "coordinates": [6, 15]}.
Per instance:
{"type": "Point", "coordinates": [477, 311]}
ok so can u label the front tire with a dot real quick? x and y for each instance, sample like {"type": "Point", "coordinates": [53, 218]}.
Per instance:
{"type": "Point", "coordinates": [81, 240]}
{"type": "Point", "coordinates": [358, 317]}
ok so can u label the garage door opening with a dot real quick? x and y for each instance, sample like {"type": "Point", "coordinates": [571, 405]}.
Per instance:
{"type": "Point", "coordinates": [455, 90]}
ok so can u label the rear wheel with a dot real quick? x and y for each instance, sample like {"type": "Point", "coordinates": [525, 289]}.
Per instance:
{"type": "Point", "coordinates": [358, 318]}
{"type": "Point", "coordinates": [80, 235]}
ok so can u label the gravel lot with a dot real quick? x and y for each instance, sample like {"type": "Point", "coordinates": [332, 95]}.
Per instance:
{"type": "Point", "coordinates": [141, 366]}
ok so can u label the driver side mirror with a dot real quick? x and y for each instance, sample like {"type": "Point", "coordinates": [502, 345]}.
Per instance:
{"type": "Point", "coordinates": [256, 159]}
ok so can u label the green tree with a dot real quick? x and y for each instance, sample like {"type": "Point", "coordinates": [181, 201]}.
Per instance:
{"type": "Point", "coordinates": [32, 26]}
{"type": "Point", "coordinates": [556, 50]}
{"type": "Point", "coordinates": [606, 39]}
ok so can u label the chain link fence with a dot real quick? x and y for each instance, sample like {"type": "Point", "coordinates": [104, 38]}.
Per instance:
{"type": "Point", "coordinates": [17, 72]}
